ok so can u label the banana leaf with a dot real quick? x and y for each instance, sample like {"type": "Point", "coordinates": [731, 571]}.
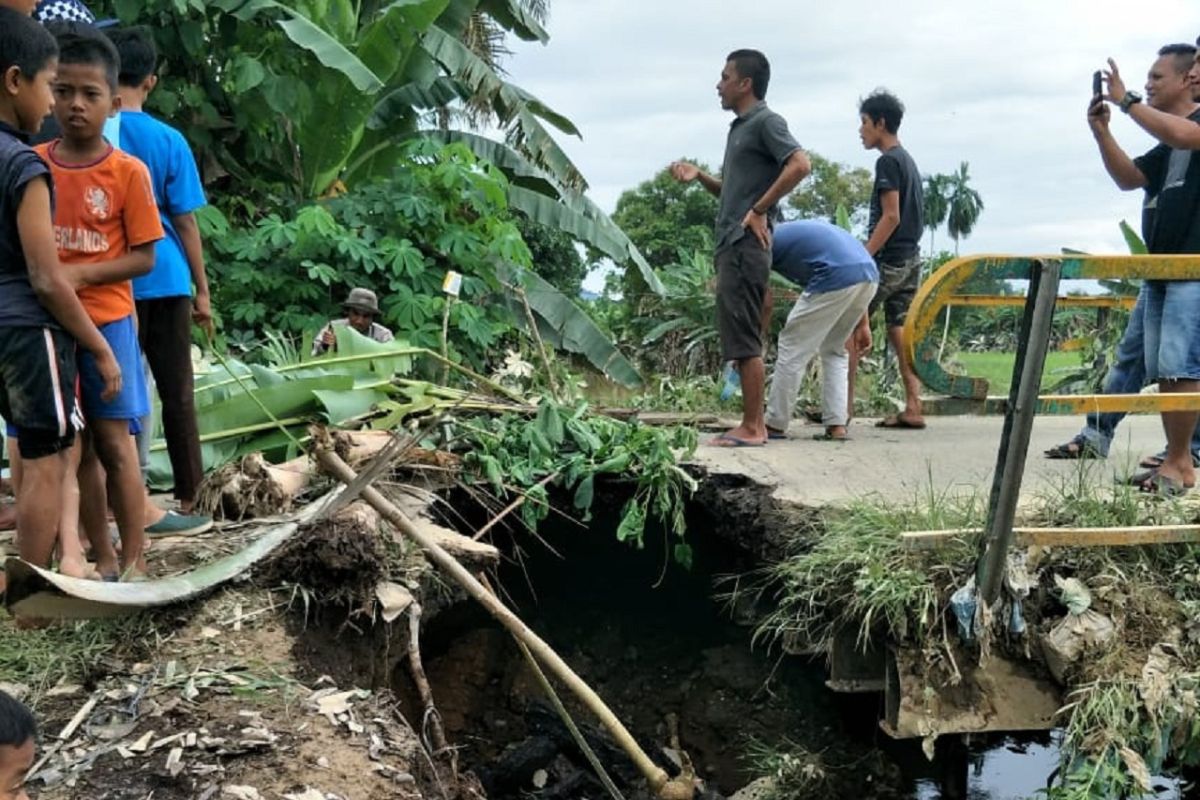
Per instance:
{"type": "Point", "coordinates": [385, 46]}
{"type": "Point", "coordinates": [41, 593]}
{"type": "Point", "coordinates": [1136, 246]}
{"type": "Point", "coordinates": [575, 217]}
{"type": "Point", "coordinates": [512, 15]}
{"type": "Point", "coordinates": [287, 399]}
{"type": "Point", "coordinates": [514, 108]}
{"type": "Point", "coordinates": [341, 406]}
{"type": "Point", "coordinates": [361, 355]}
{"type": "Point", "coordinates": [566, 325]}
{"type": "Point", "coordinates": [307, 35]}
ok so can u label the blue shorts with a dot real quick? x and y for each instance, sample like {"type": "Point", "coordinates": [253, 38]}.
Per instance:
{"type": "Point", "coordinates": [1172, 337]}
{"type": "Point", "coordinates": [133, 401]}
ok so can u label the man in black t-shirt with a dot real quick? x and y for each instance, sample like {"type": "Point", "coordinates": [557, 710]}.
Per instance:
{"type": "Point", "coordinates": [1170, 176]}
{"type": "Point", "coordinates": [1169, 91]}
{"type": "Point", "coordinates": [893, 239]}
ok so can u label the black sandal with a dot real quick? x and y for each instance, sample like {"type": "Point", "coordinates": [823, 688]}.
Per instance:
{"type": "Point", "coordinates": [1077, 448]}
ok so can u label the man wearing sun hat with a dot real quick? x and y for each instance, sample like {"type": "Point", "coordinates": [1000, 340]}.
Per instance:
{"type": "Point", "coordinates": [362, 307]}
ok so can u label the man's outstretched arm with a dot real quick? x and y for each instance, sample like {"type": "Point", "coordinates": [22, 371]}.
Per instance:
{"type": "Point", "coordinates": [685, 172]}
{"type": "Point", "coordinates": [1172, 130]}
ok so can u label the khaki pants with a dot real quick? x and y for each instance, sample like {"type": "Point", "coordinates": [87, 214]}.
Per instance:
{"type": "Point", "coordinates": [817, 324]}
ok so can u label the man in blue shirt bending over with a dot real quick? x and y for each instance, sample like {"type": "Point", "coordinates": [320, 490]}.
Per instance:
{"type": "Point", "coordinates": [839, 279]}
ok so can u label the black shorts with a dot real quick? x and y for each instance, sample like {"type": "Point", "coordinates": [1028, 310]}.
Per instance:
{"type": "Point", "coordinates": [743, 269]}
{"type": "Point", "coordinates": [37, 388]}
{"type": "Point", "coordinates": [898, 284]}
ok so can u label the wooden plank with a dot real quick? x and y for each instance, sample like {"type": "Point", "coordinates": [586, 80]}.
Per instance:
{"type": "Point", "coordinates": [933, 540]}
{"type": "Point", "coordinates": [1108, 537]}
{"type": "Point", "coordinates": [1065, 537]}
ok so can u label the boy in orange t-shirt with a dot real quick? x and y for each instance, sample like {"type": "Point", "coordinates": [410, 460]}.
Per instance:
{"type": "Point", "coordinates": [105, 225]}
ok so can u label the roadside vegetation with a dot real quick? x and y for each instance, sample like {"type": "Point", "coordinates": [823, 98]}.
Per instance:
{"type": "Point", "coordinates": [1130, 709]}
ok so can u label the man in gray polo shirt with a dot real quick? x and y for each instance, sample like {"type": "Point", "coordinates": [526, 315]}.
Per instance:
{"type": "Point", "coordinates": [762, 164]}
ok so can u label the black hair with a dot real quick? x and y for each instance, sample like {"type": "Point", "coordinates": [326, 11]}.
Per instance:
{"type": "Point", "coordinates": [1185, 55]}
{"type": "Point", "coordinates": [753, 65]}
{"type": "Point", "coordinates": [17, 725]}
{"type": "Point", "coordinates": [883, 105]}
{"type": "Point", "coordinates": [24, 44]}
{"type": "Point", "coordinates": [81, 43]}
{"type": "Point", "coordinates": [139, 57]}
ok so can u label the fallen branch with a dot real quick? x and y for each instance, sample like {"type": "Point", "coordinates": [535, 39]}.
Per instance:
{"type": "Point", "coordinates": [511, 507]}
{"type": "Point", "coordinates": [660, 783]}
{"type": "Point", "coordinates": [576, 734]}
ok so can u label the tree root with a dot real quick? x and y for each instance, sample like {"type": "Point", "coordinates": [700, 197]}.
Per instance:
{"type": "Point", "coordinates": [431, 719]}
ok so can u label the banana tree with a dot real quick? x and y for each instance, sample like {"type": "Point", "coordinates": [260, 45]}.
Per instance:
{"type": "Point", "coordinates": [385, 66]}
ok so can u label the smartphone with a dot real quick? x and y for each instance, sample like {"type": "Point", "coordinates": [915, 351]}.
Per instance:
{"type": "Point", "coordinates": [1097, 84]}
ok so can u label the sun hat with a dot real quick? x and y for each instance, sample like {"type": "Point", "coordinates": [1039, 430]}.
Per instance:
{"type": "Point", "coordinates": [363, 300]}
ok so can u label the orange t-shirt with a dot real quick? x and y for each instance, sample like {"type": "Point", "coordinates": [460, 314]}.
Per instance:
{"type": "Point", "coordinates": [102, 211]}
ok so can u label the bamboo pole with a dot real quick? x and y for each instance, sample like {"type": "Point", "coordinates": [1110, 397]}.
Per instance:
{"type": "Point", "coordinates": [660, 783]}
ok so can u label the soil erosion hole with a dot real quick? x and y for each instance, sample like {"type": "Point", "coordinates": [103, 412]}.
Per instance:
{"type": "Point", "coordinates": [666, 658]}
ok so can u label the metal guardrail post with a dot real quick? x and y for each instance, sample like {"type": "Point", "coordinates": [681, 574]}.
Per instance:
{"type": "Point", "coordinates": [1033, 343]}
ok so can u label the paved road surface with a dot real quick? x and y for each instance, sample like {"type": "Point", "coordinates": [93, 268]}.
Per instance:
{"type": "Point", "coordinates": [955, 453]}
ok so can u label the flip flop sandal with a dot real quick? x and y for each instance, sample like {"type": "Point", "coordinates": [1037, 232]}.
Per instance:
{"type": "Point", "coordinates": [1074, 450]}
{"type": "Point", "coordinates": [1162, 486]}
{"type": "Point", "coordinates": [1139, 479]}
{"type": "Point", "coordinates": [825, 437]}
{"type": "Point", "coordinates": [897, 421]}
{"type": "Point", "coordinates": [775, 436]}
{"type": "Point", "coordinates": [1152, 462]}
{"type": "Point", "coordinates": [725, 440]}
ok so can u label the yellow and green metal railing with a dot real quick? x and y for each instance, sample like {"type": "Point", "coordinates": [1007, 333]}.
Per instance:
{"type": "Point", "coordinates": [941, 290]}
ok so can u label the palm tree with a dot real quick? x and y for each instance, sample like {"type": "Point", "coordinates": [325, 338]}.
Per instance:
{"type": "Point", "coordinates": [936, 204]}
{"type": "Point", "coordinates": [965, 206]}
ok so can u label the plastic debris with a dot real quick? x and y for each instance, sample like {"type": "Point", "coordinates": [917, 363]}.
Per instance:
{"type": "Point", "coordinates": [731, 381]}
{"type": "Point", "coordinates": [964, 603]}
{"type": "Point", "coordinates": [1080, 630]}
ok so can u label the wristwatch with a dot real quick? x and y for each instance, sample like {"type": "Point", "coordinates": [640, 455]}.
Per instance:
{"type": "Point", "coordinates": [1128, 100]}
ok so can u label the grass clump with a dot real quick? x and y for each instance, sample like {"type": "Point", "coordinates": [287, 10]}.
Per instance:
{"type": "Point", "coordinates": [71, 652]}
{"type": "Point", "coordinates": [1121, 733]}
{"type": "Point", "coordinates": [1088, 497]}
{"type": "Point", "coordinates": [856, 573]}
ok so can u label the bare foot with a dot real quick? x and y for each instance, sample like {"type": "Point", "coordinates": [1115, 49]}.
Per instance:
{"type": "Point", "coordinates": [107, 567]}
{"type": "Point", "coordinates": [741, 436]}
{"type": "Point", "coordinates": [135, 575]}
{"type": "Point", "coordinates": [78, 568]}
{"type": "Point", "coordinates": [8, 517]}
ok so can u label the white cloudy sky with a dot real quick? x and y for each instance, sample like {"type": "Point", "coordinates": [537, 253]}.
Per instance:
{"type": "Point", "coordinates": [1002, 85]}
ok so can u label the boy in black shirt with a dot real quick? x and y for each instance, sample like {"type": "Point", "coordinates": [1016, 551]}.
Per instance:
{"type": "Point", "coordinates": [41, 319]}
{"type": "Point", "coordinates": [894, 234]}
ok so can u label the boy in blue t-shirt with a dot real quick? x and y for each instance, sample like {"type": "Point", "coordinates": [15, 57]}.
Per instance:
{"type": "Point", "coordinates": [41, 318]}
{"type": "Point", "coordinates": [165, 305]}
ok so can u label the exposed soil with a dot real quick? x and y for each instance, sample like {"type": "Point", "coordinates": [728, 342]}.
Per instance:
{"type": "Point", "coordinates": [242, 693]}
{"type": "Point", "coordinates": [651, 640]}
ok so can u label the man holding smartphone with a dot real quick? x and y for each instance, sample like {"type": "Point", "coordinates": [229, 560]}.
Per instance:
{"type": "Point", "coordinates": [1162, 339]}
